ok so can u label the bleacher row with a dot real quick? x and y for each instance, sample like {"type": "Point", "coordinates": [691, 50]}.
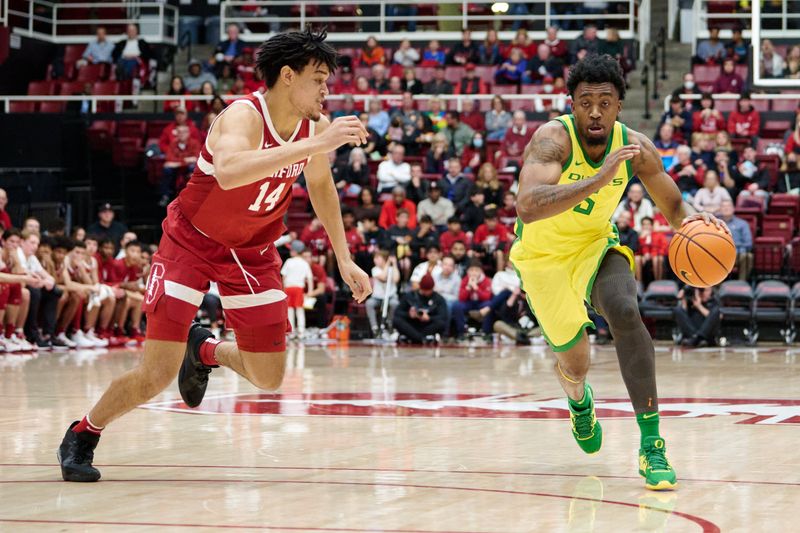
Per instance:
{"type": "Point", "coordinates": [776, 243]}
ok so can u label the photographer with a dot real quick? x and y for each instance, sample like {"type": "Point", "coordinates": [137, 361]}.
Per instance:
{"type": "Point", "coordinates": [697, 316]}
{"type": "Point", "coordinates": [422, 314]}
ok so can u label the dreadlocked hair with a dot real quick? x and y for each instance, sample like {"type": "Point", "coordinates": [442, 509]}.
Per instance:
{"type": "Point", "coordinates": [294, 49]}
{"type": "Point", "coordinates": [597, 69]}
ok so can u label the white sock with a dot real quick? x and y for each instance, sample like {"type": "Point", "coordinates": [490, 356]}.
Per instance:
{"type": "Point", "coordinates": [301, 320]}
{"type": "Point", "coordinates": [291, 319]}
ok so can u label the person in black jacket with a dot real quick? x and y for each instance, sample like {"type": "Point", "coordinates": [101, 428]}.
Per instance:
{"type": "Point", "coordinates": [422, 314]}
{"type": "Point", "coordinates": [131, 53]}
{"type": "Point", "coordinates": [697, 316]}
{"type": "Point", "coordinates": [232, 47]}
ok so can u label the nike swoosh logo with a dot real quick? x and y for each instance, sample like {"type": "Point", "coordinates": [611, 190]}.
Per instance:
{"type": "Point", "coordinates": [651, 415]}
{"type": "Point", "coordinates": [277, 343]}
{"type": "Point", "coordinates": [578, 163]}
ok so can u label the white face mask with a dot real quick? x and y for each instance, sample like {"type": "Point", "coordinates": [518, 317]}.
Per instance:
{"type": "Point", "coordinates": [688, 85]}
{"type": "Point", "coordinates": [548, 88]}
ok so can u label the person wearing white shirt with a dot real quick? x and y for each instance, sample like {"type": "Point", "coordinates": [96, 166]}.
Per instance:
{"type": "Point", "coordinates": [638, 206]}
{"type": "Point", "coordinates": [432, 266]}
{"type": "Point", "coordinates": [394, 171]}
{"type": "Point", "coordinates": [439, 209]}
{"type": "Point", "coordinates": [44, 295]}
{"type": "Point", "coordinates": [406, 55]}
{"type": "Point", "coordinates": [297, 277]}
{"type": "Point", "coordinates": [383, 287]}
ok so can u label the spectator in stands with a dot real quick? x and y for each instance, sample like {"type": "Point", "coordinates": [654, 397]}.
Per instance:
{"type": "Point", "coordinates": [410, 82]}
{"type": "Point", "coordinates": [512, 69]}
{"type": "Point", "coordinates": [391, 209]}
{"type": "Point", "coordinates": [688, 88]}
{"type": "Point", "coordinates": [507, 211]}
{"type": "Point", "coordinates": [376, 144]}
{"type": "Point", "coordinates": [32, 224]}
{"type": "Point", "coordinates": [447, 283]}
{"type": "Point", "coordinates": [793, 62]}
{"type": "Point", "coordinates": [372, 53]}
{"type": "Point", "coordinates": [378, 118]}
{"type": "Point", "coordinates": [679, 118]}
{"type": "Point", "coordinates": [44, 296]}
{"type": "Point", "coordinates": [543, 65]}
{"type": "Point", "coordinates": [395, 90]}
{"type": "Point", "coordinates": [707, 121]}
{"type": "Point", "coordinates": [98, 51]}
{"type": "Point", "coordinates": [438, 155]}
{"type": "Point", "coordinates": [725, 170]}
{"type": "Point", "coordinates": [471, 116]}
{"type": "Point", "coordinates": [737, 47]}
{"type": "Point", "coordinates": [697, 316]}
{"type": "Point", "coordinates": [465, 51]}
{"type": "Point", "coordinates": [205, 106]}
{"type": "Point", "coordinates": [297, 281]}
{"type": "Point", "coordinates": [711, 50]}
{"type": "Point", "coordinates": [355, 174]}
{"type": "Point", "coordinates": [627, 235]}
{"type": "Point", "coordinates": [728, 80]}
{"type": "Point", "coordinates": [455, 186]}
{"type": "Point", "coordinates": [439, 209]}
{"type": "Point", "coordinates": [586, 41]}
{"type": "Point", "coordinates": [636, 204]}
{"type": "Point", "coordinates": [424, 238]}
{"type": "Point", "coordinates": [401, 10]}
{"type": "Point", "coordinates": [523, 43]}
{"type": "Point", "coordinates": [489, 52]}
{"type": "Point", "coordinates": [711, 196]}
{"type": "Point", "coordinates": [498, 120]}
{"type": "Point", "coordinates": [516, 138]}
{"type": "Point", "coordinates": [486, 180]}
{"type": "Point", "coordinates": [751, 179]}
{"type": "Point", "coordinates": [745, 121]}
{"type": "Point", "coordinates": [475, 293]}
{"type": "Point", "coordinates": [421, 316]}
{"type": "Point", "coordinates": [470, 83]}
{"type": "Point", "coordinates": [433, 55]}
{"type": "Point", "coordinates": [772, 63]}
{"type": "Point", "coordinates": [399, 236]}
{"type": "Point", "coordinates": [473, 154]}
{"type": "Point", "coordinates": [170, 131]}
{"type": "Point", "coordinates": [491, 240]}
{"type": "Point", "coordinates": [394, 171]}
{"type": "Point", "coordinates": [180, 162]}
{"type": "Point", "coordinates": [406, 55]}
{"type": "Point", "coordinates": [742, 238]}
{"type": "Point", "coordinates": [432, 265]}
{"type": "Point", "coordinates": [229, 50]}
{"type": "Point", "coordinates": [379, 82]}
{"type": "Point", "coordinates": [319, 290]}
{"type": "Point", "coordinates": [453, 234]}
{"type": "Point", "coordinates": [105, 227]}
{"type": "Point", "coordinates": [666, 144]}
{"type": "Point", "coordinates": [686, 173]}
{"type": "Point", "coordinates": [558, 102]}
{"type": "Point", "coordinates": [472, 215]}
{"type": "Point", "coordinates": [614, 47]}
{"type": "Point", "coordinates": [653, 248]}
{"type": "Point", "coordinates": [363, 88]}
{"type": "Point", "coordinates": [558, 48]}
{"type": "Point", "coordinates": [459, 252]}
{"type": "Point", "coordinates": [417, 187]}
{"type": "Point", "coordinates": [5, 220]}
{"type": "Point", "coordinates": [438, 85]}
{"type": "Point", "coordinates": [348, 107]}
{"type": "Point", "coordinates": [344, 84]}
{"type": "Point", "coordinates": [457, 133]}
{"type": "Point", "coordinates": [196, 77]}
{"type": "Point", "coordinates": [131, 53]}
{"type": "Point", "coordinates": [367, 208]}
{"type": "Point", "coordinates": [177, 88]}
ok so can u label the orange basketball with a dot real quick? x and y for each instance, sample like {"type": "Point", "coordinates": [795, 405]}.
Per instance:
{"type": "Point", "coordinates": [701, 255]}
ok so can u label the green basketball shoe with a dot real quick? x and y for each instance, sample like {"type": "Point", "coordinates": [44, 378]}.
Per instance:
{"type": "Point", "coordinates": [654, 466]}
{"type": "Point", "coordinates": [585, 427]}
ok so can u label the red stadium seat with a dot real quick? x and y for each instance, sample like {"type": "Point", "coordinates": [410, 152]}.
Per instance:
{"type": "Point", "coordinates": [775, 128]}
{"type": "Point", "coordinates": [454, 74]}
{"type": "Point", "coordinates": [785, 204]}
{"type": "Point", "coordinates": [100, 134]}
{"type": "Point", "coordinates": [761, 106]}
{"type": "Point", "coordinates": [725, 105]}
{"type": "Point", "coordinates": [752, 221]}
{"type": "Point", "coordinates": [73, 52]}
{"type": "Point", "coordinates": [769, 255]}
{"type": "Point", "coordinates": [92, 73]}
{"type": "Point", "coordinates": [69, 88]}
{"type": "Point", "coordinates": [127, 153]}
{"type": "Point", "coordinates": [425, 74]}
{"type": "Point", "coordinates": [155, 127]}
{"type": "Point", "coordinates": [131, 129]}
{"type": "Point", "coordinates": [37, 88]}
{"type": "Point", "coordinates": [155, 169]}
{"type": "Point", "coordinates": [784, 104]}
{"type": "Point", "coordinates": [22, 107]}
{"type": "Point", "coordinates": [52, 107]}
{"type": "Point", "coordinates": [705, 74]}
{"type": "Point", "coordinates": [505, 89]}
{"type": "Point", "coordinates": [780, 226]}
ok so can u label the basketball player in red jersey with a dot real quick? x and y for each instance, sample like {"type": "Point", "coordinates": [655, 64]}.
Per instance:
{"type": "Point", "coordinates": [222, 228]}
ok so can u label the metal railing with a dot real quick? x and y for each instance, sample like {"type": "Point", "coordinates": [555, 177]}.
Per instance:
{"type": "Point", "coordinates": [759, 33]}
{"type": "Point", "coordinates": [378, 17]}
{"type": "Point", "coordinates": [783, 24]}
{"type": "Point", "coordinates": [3, 12]}
{"type": "Point", "coordinates": [57, 22]}
{"type": "Point", "coordinates": [730, 96]}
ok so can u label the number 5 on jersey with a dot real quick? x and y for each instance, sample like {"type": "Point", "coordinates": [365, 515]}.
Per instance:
{"type": "Point", "coordinates": [269, 201]}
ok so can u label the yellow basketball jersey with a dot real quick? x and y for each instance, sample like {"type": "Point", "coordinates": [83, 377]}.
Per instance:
{"type": "Point", "coordinates": [590, 220]}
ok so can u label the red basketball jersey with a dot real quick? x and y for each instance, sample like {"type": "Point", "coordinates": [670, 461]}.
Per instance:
{"type": "Point", "coordinates": [249, 216]}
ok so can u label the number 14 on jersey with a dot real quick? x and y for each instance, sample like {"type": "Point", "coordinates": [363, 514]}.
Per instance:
{"type": "Point", "coordinates": [267, 202]}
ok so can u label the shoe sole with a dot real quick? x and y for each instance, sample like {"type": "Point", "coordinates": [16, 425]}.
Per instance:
{"type": "Point", "coordinates": [661, 485]}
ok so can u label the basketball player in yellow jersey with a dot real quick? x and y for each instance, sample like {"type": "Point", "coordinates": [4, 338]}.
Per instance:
{"type": "Point", "coordinates": [567, 251]}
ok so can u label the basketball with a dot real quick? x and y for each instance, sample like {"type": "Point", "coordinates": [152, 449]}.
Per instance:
{"type": "Point", "coordinates": [701, 254]}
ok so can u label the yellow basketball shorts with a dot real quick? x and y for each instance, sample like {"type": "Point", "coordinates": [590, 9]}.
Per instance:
{"type": "Point", "coordinates": [557, 287]}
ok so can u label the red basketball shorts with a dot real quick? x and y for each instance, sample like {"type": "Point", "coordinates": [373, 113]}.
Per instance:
{"type": "Point", "coordinates": [295, 296]}
{"type": "Point", "coordinates": [249, 281]}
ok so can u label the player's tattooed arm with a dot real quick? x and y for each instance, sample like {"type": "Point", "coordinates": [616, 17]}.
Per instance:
{"type": "Point", "coordinates": [540, 195]}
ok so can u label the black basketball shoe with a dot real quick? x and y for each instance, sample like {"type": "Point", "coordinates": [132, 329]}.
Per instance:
{"type": "Point", "coordinates": [76, 454]}
{"type": "Point", "coordinates": [193, 376]}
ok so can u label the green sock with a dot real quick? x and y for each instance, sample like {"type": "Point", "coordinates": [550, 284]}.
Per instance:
{"type": "Point", "coordinates": [648, 425]}
{"type": "Point", "coordinates": [584, 403]}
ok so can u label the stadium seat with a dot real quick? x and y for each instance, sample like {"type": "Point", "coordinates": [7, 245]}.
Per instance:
{"type": "Point", "coordinates": [769, 255]}
{"type": "Point", "coordinates": [725, 105]}
{"type": "Point", "coordinates": [705, 74]}
{"type": "Point", "coordinates": [505, 89]}
{"type": "Point", "coordinates": [73, 52]}
{"type": "Point", "coordinates": [42, 88]}
{"type": "Point", "coordinates": [772, 305]}
{"type": "Point", "coordinates": [100, 134]}
{"type": "Point", "coordinates": [127, 153]}
{"type": "Point", "coordinates": [22, 107]}
{"type": "Point", "coordinates": [784, 104]}
{"type": "Point", "coordinates": [68, 88]}
{"type": "Point", "coordinates": [155, 168]}
{"type": "Point", "coordinates": [774, 129]}
{"type": "Point", "coordinates": [736, 305]}
{"type": "Point", "coordinates": [785, 204]}
{"type": "Point", "coordinates": [780, 226]}
{"type": "Point", "coordinates": [751, 202]}
{"type": "Point", "coordinates": [454, 74]}
{"type": "Point", "coordinates": [659, 300]}
{"type": "Point", "coordinates": [794, 257]}
{"type": "Point", "coordinates": [795, 311]}
{"type": "Point", "coordinates": [762, 106]}
{"type": "Point", "coordinates": [52, 107]}
{"type": "Point", "coordinates": [131, 129]}
{"type": "Point", "coordinates": [752, 221]}
{"type": "Point", "coordinates": [92, 73]}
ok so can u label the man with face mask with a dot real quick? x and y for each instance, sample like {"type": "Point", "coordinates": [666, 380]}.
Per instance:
{"type": "Point", "coordinates": [689, 87]}
{"type": "Point", "coordinates": [680, 118]}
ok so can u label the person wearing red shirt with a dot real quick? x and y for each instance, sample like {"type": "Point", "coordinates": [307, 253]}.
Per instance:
{"type": "Point", "coordinates": [490, 240]}
{"type": "Point", "coordinates": [708, 120]}
{"type": "Point", "coordinates": [390, 208]}
{"type": "Point", "coordinates": [395, 90]}
{"type": "Point", "coordinates": [344, 82]}
{"type": "Point", "coordinates": [180, 163]}
{"type": "Point", "coordinates": [558, 48]}
{"type": "Point", "coordinates": [355, 241]}
{"type": "Point", "coordinates": [507, 214]}
{"type": "Point", "coordinates": [728, 81]}
{"type": "Point", "coordinates": [316, 239]}
{"type": "Point", "coordinates": [688, 176]}
{"type": "Point", "coordinates": [131, 276]}
{"type": "Point", "coordinates": [5, 220]}
{"type": "Point", "coordinates": [744, 122]}
{"type": "Point", "coordinates": [470, 83]}
{"type": "Point", "coordinates": [363, 89]}
{"type": "Point", "coordinates": [475, 293]}
{"type": "Point", "coordinates": [454, 233]}
{"type": "Point", "coordinates": [653, 247]}
{"type": "Point", "coordinates": [319, 291]}
{"type": "Point", "coordinates": [170, 131]}
{"type": "Point", "coordinates": [472, 117]}
{"type": "Point", "coordinates": [517, 136]}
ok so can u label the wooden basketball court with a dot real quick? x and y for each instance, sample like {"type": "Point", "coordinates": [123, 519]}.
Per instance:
{"type": "Point", "coordinates": [366, 438]}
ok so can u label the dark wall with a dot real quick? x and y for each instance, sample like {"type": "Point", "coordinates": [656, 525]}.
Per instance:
{"type": "Point", "coordinates": [42, 140]}
{"type": "Point", "coordinates": [29, 62]}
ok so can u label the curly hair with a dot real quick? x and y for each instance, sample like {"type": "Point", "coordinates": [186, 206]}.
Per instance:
{"type": "Point", "coordinates": [597, 69]}
{"type": "Point", "coordinates": [294, 49]}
